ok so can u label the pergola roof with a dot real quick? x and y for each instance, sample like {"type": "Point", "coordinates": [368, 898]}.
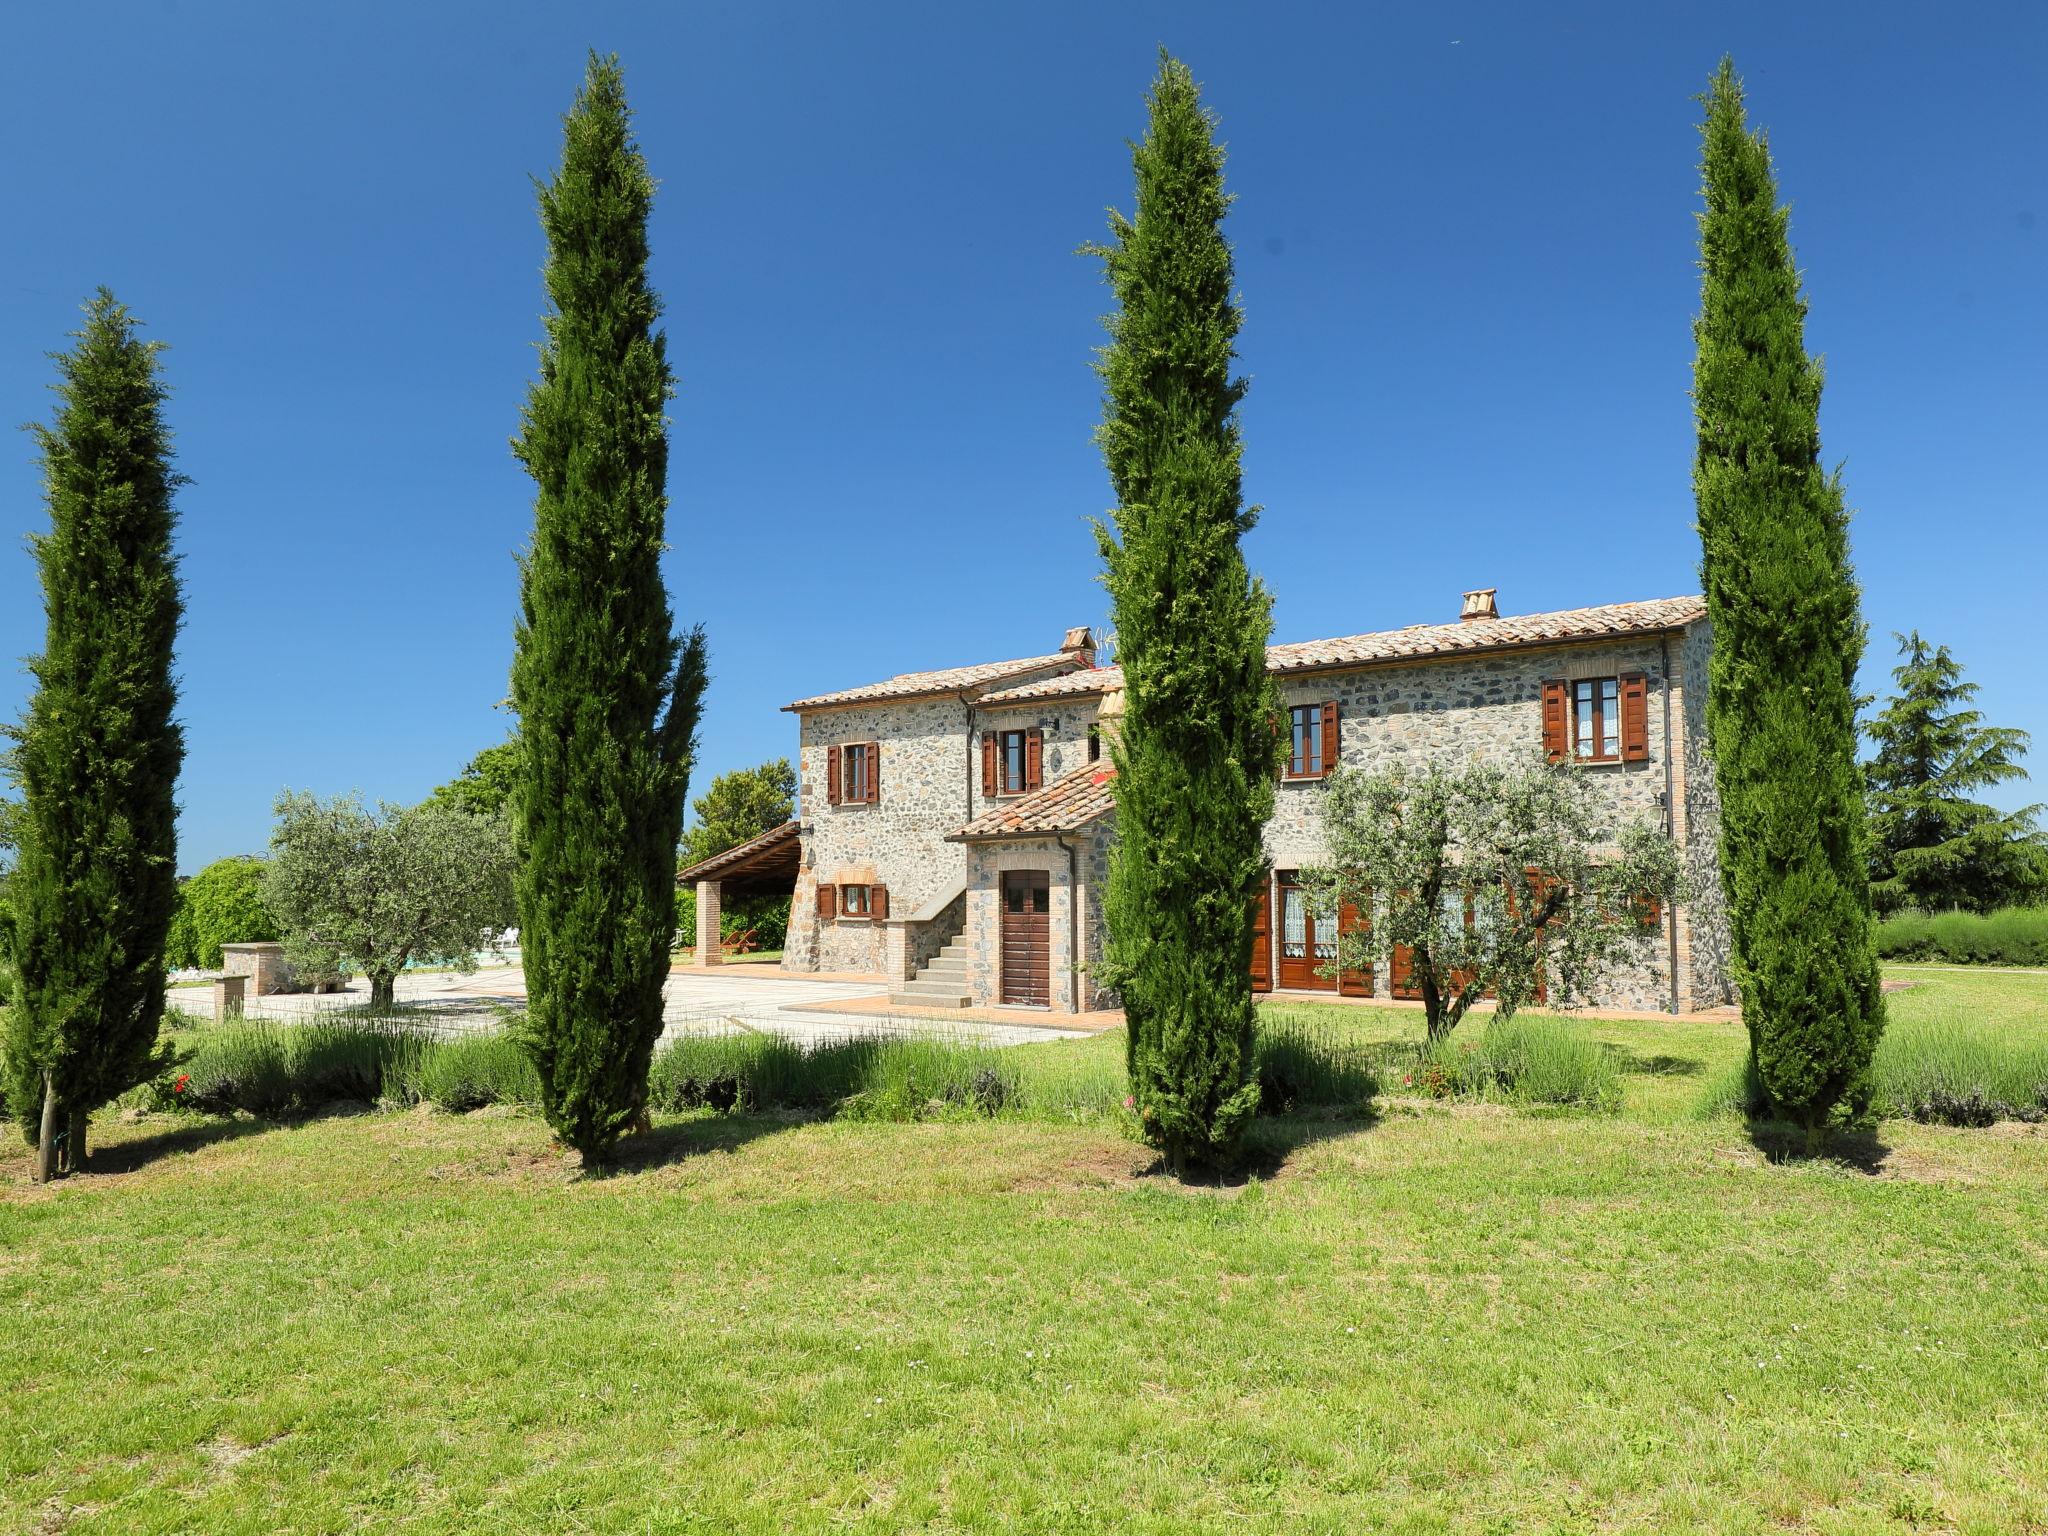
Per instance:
{"type": "Point", "coordinates": [769, 862]}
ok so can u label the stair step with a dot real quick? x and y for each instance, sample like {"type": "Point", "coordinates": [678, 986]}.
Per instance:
{"type": "Point", "coordinates": [938, 997]}
{"type": "Point", "coordinates": [943, 966]}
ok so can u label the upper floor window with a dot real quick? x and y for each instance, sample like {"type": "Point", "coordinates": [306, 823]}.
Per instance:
{"type": "Point", "coordinates": [1311, 740]}
{"type": "Point", "coordinates": [853, 773]}
{"type": "Point", "coordinates": [1596, 719]}
{"type": "Point", "coordinates": [1012, 762]}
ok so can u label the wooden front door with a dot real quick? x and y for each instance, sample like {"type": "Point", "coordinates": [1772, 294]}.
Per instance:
{"type": "Point", "coordinates": [1307, 943]}
{"type": "Point", "coordinates": [1027, 937]}
{"type": "Point", "coordinates": [1262, 939]}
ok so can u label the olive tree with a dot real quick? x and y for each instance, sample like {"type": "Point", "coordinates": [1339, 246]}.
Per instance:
{"type": "Point", "coordinates": [376, 890]}
{"type": "Point", "coordinates": [1501, 881]}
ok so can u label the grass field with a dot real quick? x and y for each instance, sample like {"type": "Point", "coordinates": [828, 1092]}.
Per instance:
{"type": "Point", "coordinates": [1437, 1318]}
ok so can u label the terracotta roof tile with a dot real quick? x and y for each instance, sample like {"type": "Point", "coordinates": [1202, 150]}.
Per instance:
{"type": "Point", "coordinates": [1065, 805]}
{"type": "Point", "coordinates": [1418, 642]}
{"type": "Point", "coordinates": [755, 849]}
{"type": "Point", "coordinates": [906, 685]}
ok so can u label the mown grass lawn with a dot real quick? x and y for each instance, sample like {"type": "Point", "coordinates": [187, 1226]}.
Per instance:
{"type": "Point", "coordinates": [1440, 1319]}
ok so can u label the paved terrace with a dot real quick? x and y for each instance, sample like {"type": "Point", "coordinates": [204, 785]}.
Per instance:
{"type": "Point", "coordinates": [713, 1000]}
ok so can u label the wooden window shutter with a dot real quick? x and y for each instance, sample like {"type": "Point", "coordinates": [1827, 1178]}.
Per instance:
{"type": "Point", "coordinates": [1330, 738]}
{"type": "Point", "coordinates": [1556, 719]}
{"type": "Point", "coordinates": [1635, 717]}
{"type": "Point", "coordinates": [1354, 982]}
{"type": "Point", "coordinates": [991, 743]}
{"type": "Point", "coordinates": [878, 902]}
{"type": "Point", "coordinates": [874, 772]}
{"type": "Point", "coordinates": [1034, 759]}
{"type": "Point", "coordinates": [831, 775]}
{"type": "Point", "coordinates": [1262, 940]}
{"type": "Point", "coordinates": [828, 901]}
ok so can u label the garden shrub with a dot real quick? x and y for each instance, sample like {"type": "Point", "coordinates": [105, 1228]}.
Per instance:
{"type": "Point", "coordinates": [1525, 1059]}
{"type": "Point", "coordinates": [465, 1073]}
{"type": "Point", "coordinates": [1302, 1064]}
{"type": "Point", "coordinates": [2008, 936]}
{"type": "Point", "coordinates": [222, 904]}
{"type": "Point", "coordinates": [1945, 1071]}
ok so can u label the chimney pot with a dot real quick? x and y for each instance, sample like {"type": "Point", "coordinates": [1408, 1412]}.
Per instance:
{"type": "Point", "coordinates": [1079, 644]}
{"type": "Point", "coordinates": [1479, 605]}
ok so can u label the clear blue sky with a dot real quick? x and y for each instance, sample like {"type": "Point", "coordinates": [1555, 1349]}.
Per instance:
{"type": "Point", "coordinates": [1465, 241]}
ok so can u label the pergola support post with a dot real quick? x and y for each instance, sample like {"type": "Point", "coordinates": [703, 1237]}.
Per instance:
{"type": "Point", "coordinates": [708, 950]}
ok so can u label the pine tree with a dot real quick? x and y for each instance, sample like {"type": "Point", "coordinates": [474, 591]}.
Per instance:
{"type": "Point", "coordinates": [1196, 754]}
{"type": "Point", "coordinates": [1787, 637]}
{"type": "Point", "coordinates": [607, 696]}
{"type": "Point", "coordinates": [96, 883]}
{"type": "Point", "coordinates": [1932, 846]}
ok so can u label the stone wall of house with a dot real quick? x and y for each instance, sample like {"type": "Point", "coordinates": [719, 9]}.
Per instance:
{"type": "Point", "coordinates": [1485, 708]}
{"type": "Point", "coordinates": [1704, 950]}
{"type": "Point", "coordinates": [1064, 744]}
{"type": "Point", "coordinates": [930, 785]}
{"type": "Point", "coordinates": [1070, 976]}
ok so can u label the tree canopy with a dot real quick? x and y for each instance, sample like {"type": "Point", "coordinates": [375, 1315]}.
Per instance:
{"type": "Point", "coordinates": [740, 805]}
{"type": "Point", "coordinates": [484, 787]}
{"type": "Point", "coordinates": [1788, 634]}
{"type": "Point", "coordinates": [1489, 881]}
{"type": "Point", "coordinates": [1932, 845]}
{"type": "Point", "coordinates": [376, 890]}
{"type": "Point", "coordinates": [1195, 756]}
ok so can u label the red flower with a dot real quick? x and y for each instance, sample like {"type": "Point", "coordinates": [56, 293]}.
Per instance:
{"type": "Point", "coordinates": [179, 1085]}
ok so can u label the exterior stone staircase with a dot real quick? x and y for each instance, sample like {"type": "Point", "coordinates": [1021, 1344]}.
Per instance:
{"type": "Point", "coordinates": [941, 984]}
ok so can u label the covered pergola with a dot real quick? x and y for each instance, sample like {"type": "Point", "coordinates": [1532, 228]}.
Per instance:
{"type": "Point", "coordinates": [762, 866]}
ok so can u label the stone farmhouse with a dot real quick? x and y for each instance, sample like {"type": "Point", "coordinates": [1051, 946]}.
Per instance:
{"type": "Point", "coordinates": [956, 824]}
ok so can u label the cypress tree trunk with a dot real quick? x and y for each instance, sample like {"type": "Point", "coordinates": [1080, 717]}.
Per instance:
{"type": "Point", "coordinates": [1196, 755]}
{"type": "Point", "coordinates": [95, 886]}
{"type": "Point", "coordinates": [607, 695]}
{"type": "Point", "coordinates": [46, 1138]}
{"type": "Point", "coordinates": [1787, 638]}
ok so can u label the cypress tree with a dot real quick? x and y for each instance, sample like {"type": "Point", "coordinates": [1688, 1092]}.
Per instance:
{"type": "Point", "coordinates": [1196, 754]}
{"type": "Point", "coordinates": [96, 883]}
{"type": "Point", "coordinates": [1787, 637]}
{"type": "Point", "coordinates": [1932, 846]}
{"type": "Point", "coordinates": [607, 695]}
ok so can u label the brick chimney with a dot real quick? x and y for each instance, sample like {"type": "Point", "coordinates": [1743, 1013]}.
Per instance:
{"type": "Point", "coordinates": [1479, 605]}
{"type": "Point", "coordinates": [1080, 645]}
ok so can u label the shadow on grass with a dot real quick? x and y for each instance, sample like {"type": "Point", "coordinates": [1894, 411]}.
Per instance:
{"type": "Point", "coordinates": [1781, 1142]}
{"type": "Point", "coordinates": [677, 1141]}
{"type": "Point", "coordinates": [1632, 1062]}
{"type": "Point", "coordinates": [1270, 1142]}
{"type": "Point", "coordinates": [133, 1153]}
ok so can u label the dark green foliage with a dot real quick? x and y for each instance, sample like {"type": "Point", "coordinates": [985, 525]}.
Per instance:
{"type": "Point", "coordinates": [1787, 638]}
{"type": "Point", "coordinates": [607, 695]}
{"type": "Point", "coordinates": [222, 904]}
{"type": "Point", "coordinates": [2009, 936]}
{"type": "Point", "coordinates": [1931, 845]}
{"type": "Point", "coordinates": [484, 787]}
{"type": "Point", "coordinates": [1196, 755]}
{"type": "Point", "coordinates": [739, 806]}
{"type": "Point", "coordinates": [98, 754]}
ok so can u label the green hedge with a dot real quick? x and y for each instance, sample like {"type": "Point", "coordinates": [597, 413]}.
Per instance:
{"type": "Point", "coordinates": [2009, 936]}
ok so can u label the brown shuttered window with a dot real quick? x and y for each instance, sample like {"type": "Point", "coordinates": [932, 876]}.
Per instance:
{"type": "Point", "coordinates": [989, 747]}
{"type": "Point", "coordinates": [828, 901]}
{"type": "Point", "coordinates": [1635, 717]}
{"type": "Point", "coordinates": [1555, 719]}
{"type": "Point", "coordinates": [831, 775]}
{"type": "Point", "coordinates": [1311, 741]}
{"type": "Point", "coordinates": [874, 785]}
{"type": "Point", "coordinates": [1017, 765]}
{"type": "Point", "coordinates": [1034, 760]}
{"type": "Point", "coordinates": [853, 901]}
{"type": "Point", "coordinates": [878, 902]}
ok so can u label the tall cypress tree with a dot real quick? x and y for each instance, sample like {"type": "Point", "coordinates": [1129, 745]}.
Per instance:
{"type": "Point", "coordinates": [98, 755]}
{"type": "Point", "coordinates": [1932, 846]}
{"type": "Point", "coordinates": [1195, 756]}
{"type": "Point", "coordinates": [607, 695]}
{"type": "Point", "coordinates": [1787, 637]}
